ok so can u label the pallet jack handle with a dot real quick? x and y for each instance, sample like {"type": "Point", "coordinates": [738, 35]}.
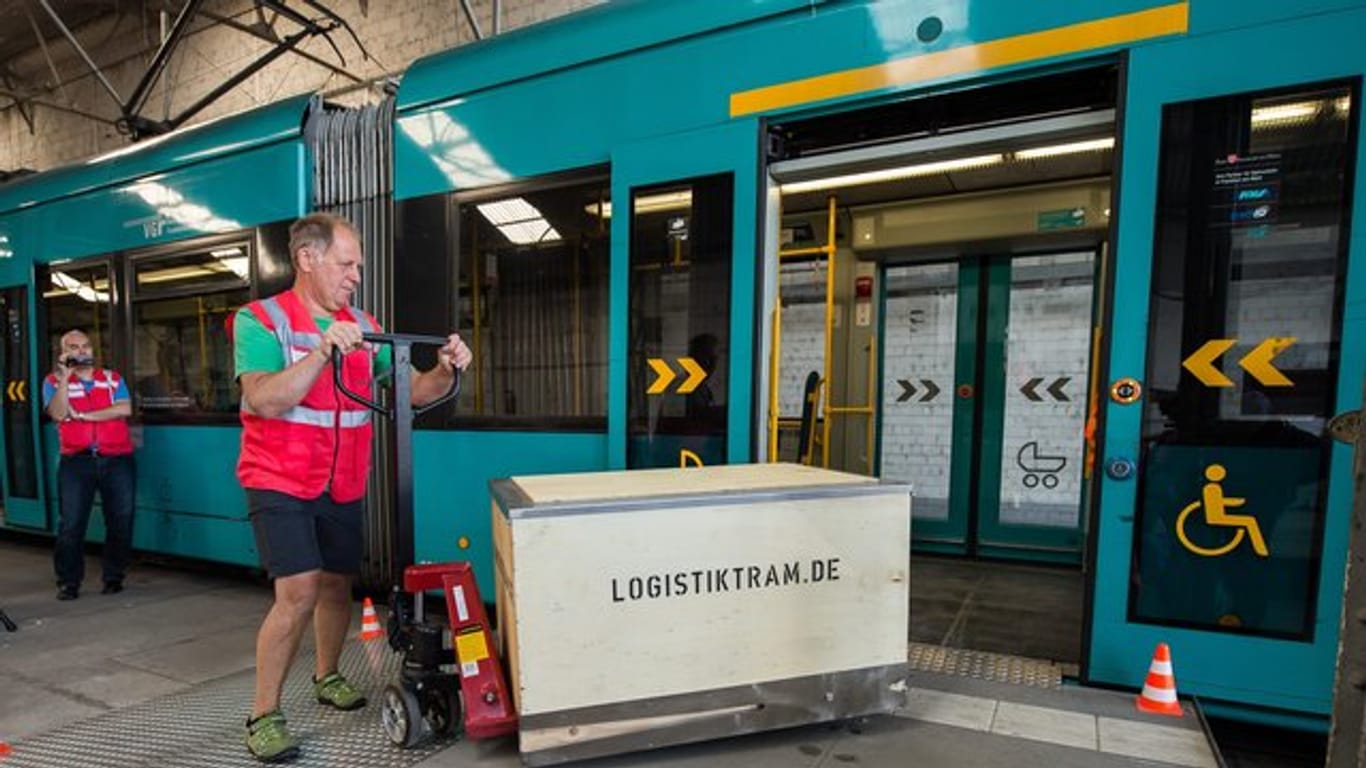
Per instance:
{"type": "Point", "coordinates": [401, 414]}
{"type": "Point", "coordinates": [402, 344]}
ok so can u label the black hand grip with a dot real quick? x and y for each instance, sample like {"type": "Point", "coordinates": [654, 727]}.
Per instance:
{"type": "Point", "coordinates": [401, 378]}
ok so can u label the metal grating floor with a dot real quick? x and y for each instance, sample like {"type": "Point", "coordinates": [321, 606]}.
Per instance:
{"type": "Point", "coordinates": [202, 727]}
{"type": "Point", "coordinates": [982, 665]}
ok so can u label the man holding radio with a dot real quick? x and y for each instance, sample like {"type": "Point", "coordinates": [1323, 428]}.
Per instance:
{"type": "Point", "coordinates": [91, 407]}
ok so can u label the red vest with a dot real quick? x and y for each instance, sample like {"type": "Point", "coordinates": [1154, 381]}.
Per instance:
{"type": "Point", "coordinates": [323, 443]}
{"type": "Point", "coordinates": [111, 437]}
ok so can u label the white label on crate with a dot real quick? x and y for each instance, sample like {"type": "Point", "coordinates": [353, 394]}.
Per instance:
{"type": "Point", "coordinates": [469, 669]}
{"type": "Point", "coordinates": [462, 611]}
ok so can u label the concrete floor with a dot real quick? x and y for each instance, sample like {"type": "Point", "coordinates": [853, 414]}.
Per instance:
{"type": "Point", "coordinates": [160, 675]}
{"type": "Point", "coordinates": [1020, 610]}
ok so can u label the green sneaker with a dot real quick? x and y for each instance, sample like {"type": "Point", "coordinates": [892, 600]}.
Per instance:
{"type": "Point", "coordinates": [268, 738]}
{"type": "Point", "coordinates": [335, 690]}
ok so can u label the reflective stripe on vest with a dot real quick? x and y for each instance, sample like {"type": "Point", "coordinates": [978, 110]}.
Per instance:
{"type": "Point", "coordinates": [291, 339]}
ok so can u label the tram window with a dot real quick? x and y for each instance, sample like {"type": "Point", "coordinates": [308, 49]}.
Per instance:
{"type": "Point", "coordinates": [1243, 348]}
{"type": "Point", "coordinates": [79, 296]}
{"type": "Point", "coordinates": [531, 299]}
{"type": "Point", "coordinates": [182, 357]}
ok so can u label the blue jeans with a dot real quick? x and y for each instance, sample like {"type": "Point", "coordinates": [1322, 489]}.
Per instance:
{"type": "Point", "coordinates": [78, 477]}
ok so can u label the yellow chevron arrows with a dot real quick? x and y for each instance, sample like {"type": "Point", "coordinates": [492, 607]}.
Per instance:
{"type": "Point", "coordinates": [695, 375]}
{"type": "Point", "coordinates": [15, 390]}
{"type": "Point", "coordinates": [1201, 363]}
{"type": "Point", "coordinates": [1257, 363]}
{"type": "Point", "coordinates": [664, 375]}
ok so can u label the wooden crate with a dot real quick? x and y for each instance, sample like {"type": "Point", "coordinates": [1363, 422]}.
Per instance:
{"type": "Point", "coordinates": [654, 607]}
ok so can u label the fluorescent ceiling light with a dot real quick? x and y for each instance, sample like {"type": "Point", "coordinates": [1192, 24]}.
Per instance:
{"type": "Point", "coordinates": [893, 174]}
{"type": "Point", "coordinates": [519, 221]}
{"type": "Point", "coordinates": [1299, 110]}
{"type": "Point", "coordinates": [1090, 145]}
{"type": "Point", "coordinates": [72, 285]}
{"type": "Point", "coordinates": [233, 259]}
{"type": "Point", "coordinates": [507, 211]}
{"type": "Point", "coordinates": [667, 201]}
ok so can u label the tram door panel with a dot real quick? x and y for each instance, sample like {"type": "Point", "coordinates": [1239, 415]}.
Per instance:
{"type": "Point", "coordinates": [684, 228]}
{"type": "Point", "coordinates": [23, 504]}
{"type": "Point", "coordinates": [986, 364]}
{"type": "Point", "coordinates": [1225, 505]}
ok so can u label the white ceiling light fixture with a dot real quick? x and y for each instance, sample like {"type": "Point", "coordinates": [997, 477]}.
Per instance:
{"type": "Point", "coordinates": [1296, 111]}
{"type": "Point", "coordinates": [81, 290]}
{"type": "Point", "coordinates": [667, 201]}
{"type": "Point", "coordinates": [893, 174]}
{"type": "Point", "coordinates": [519, 221]}
{"type": "Point", "coordinates": [232, 258]}
{"type": "Point", "coordinates": [1070, 148]}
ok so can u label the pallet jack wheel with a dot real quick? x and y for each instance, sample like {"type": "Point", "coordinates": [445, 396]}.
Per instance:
{"type": "Point", "coordinates": [441, 710]}
{"type": "Point", "coordinates": [401, 717]}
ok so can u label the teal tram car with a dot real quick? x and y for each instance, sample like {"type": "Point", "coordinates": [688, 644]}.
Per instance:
{"type": "Point", "coordinates": [1090, 276]}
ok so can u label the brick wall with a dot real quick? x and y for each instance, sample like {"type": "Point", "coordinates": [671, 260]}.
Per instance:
{"type": "Point", "coordinates": [394, 33]}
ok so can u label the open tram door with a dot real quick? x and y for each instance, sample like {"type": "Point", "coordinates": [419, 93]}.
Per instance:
{"type": "Point", "coordinates": [19, 438]}
{"type": "Point", "coordinates": [1224, 504]}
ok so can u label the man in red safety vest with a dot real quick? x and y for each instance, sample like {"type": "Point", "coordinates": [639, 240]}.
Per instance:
{"type": "Point", "coordinates": [91, 407]}
{"type": "Point", "coordinates": [306, 457]}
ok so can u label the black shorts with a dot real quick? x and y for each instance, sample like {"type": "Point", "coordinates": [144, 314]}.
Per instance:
{"type": "Point", "coordinates": [296, 535]}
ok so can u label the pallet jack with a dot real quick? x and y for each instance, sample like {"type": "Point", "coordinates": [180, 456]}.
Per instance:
{"type": "Point", "coordinates": [427, 701]}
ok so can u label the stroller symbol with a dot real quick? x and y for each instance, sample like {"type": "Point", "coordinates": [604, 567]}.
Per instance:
{"type": "Point", "coordinates": [1039, 469]}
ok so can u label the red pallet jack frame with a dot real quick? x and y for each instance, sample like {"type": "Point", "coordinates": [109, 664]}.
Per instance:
{"type": "Point", "coordinates": [426, 701]}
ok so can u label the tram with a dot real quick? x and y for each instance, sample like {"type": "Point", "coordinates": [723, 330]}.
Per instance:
{"type": "Point", "coordinates": [1085, 274]}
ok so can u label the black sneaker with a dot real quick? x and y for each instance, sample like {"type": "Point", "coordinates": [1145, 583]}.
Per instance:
{"type": "Point", "coordinates": [68, 592]}
{"type": "Point", "coordinates": [112, 588]}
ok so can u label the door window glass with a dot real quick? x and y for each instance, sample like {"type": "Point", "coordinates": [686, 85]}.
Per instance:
{"type": "Point", "coordinates": [679, 340]}
{"type": "Point", "coordinates": [1048, 352]}
{"type": "Point", "coordinates": [1243, 346]}
{"type": "Point", "coordinates": [21, 470]}
{"type": "Point", "coordinates": [920, 345]}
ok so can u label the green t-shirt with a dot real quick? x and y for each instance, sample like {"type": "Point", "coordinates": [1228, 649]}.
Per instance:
{"type": "Point", "coordinates": [256, 350]}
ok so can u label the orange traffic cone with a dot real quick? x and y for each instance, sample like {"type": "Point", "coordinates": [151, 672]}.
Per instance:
{"type": "Point", "coordinates": [369, 622]}
{"type": "Point", "coordinates": [1159, 688]}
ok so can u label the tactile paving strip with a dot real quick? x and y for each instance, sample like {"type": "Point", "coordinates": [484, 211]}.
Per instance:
{"type": "Point", "coordinates": [995, 667]}
{"type": "Point", "coordinates": [203, 727]}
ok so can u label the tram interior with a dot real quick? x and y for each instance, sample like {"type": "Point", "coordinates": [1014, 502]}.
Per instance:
{"type": "Point", "coordinates": [967, 249]}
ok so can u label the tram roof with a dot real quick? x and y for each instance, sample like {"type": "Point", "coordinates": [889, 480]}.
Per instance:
{"type": "Point", "coordinates": [592, 34]}
{"type": "Point", "coordinates": [280, 121]}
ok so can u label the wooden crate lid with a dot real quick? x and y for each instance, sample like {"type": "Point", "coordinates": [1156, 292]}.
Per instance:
{"type": "Point", "coordinates": [645, 483]}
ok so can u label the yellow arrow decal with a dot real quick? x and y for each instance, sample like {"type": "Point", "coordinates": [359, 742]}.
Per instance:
{"type": "Point", "coordinates": [23, 391]}
{"type": "Point", "coordinates": [695, 375]}
{"type": "Point", "coordinates": [9, 391]}
{"type": "Point", "coordinates": [1201, 363]}
{"type": "Point", "coordinates": [1258, 361]}
{"type": "Point", "coordinates": [663, 376]}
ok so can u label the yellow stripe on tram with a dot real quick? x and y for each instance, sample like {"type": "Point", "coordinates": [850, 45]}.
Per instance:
{"type": "Point", "coordinates": [1060, 41]}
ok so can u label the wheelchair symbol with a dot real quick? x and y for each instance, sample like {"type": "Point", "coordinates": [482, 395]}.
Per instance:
{"type": "Point", "coordinates": [1039, 470]}
{"type": "Point", "coordinates": [1215, 504]}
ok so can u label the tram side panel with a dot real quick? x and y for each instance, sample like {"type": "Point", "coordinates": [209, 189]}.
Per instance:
{"type": "Point", "coordinates": [150, 267]}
